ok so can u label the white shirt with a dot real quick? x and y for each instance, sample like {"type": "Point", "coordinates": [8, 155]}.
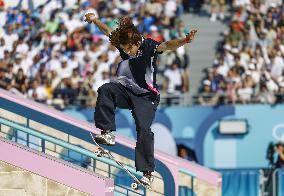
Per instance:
{"type": "Point", "coordinates": [101, 68]}
{"type": "Point", "coordinates": [271, 85]}
{"type": "Point", "coordinates": [71, 3]}
{"type": "Point", "coordinates": [223, 70]}
{"type": "Point", "coordinates": [175, 79]}
{"type": "Point", "coordinates": [80, 55]}
{"type": "Point", "coordinates": [94, 56]}
{"type": "Point", "coordinates": [260, 63]}
{"type": "Point", "coordinates": [2, 49]}
{"type": "Point", "coordinates": [58, 38]}
{"type": "Point", "coordinates": [22, 48]}
{"type": "Point", "coordinates": [26, 64]}
{"type": "Point", "coordinates": [112, 55]}
{"type": "Point", "coordinates": [229, 60]}
{"type": "Point", "coordinates": [2, 18]}
{"type": "Point", "coordinates": [170, 8]}
{"type": "Point", "coordinates": [9, 40]}
{"type": "Point", "coordinates": [52, 5]}
{"type": "Point", "coordinates": [181, 51]}
{"type": "Point", "coordinates": [64, 72]}
{"type": "Point", "coordinates": [126, 6]}
{"type": "Point", "coordinates": [53, 64]}
{"type": "Point", "coordinates": [277, 67]}
{"type": "Point", "coordinates": [16, 67]}
{"type": "Point", "coordinates": [73, 63]}
{"type": "Point", "coordinates": [40, 91]}
{"type": "Point", "coordinates": [244, 58]}
{"type": "Point", "coordinates": [239, 3]}
{"type": "Point", "coordinates": [73, 24]}
{"type": "Point", "coordinates": [276, 70]}
{"type": "Point", "coordinates": [270, 3]}
{"type": "Point", "coordinates": [245, 93]}
{"type": "Point", "coordinates": [255, 76]}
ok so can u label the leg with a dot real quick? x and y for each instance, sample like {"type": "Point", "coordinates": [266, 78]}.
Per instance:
{"type": "Point", "coordinates": [143, 111]}
{"type": "Point", "coordinates": [110, 96]}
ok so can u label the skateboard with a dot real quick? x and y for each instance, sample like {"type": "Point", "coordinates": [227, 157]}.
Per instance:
{"type": "Point", "coordinates": [101, 152]}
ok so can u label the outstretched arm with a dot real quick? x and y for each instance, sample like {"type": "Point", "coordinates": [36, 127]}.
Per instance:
{"type": "Point", "coordinates": [176, 43]}
{"type": "Point", "coordinates": [91, 18]}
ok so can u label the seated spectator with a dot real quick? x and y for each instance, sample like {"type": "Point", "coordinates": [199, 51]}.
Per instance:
{"type": "Point", "coordinates": [65, 91]}
{"type": "Point", "coordinates": [231, 92]}
{"type": "Point", "coordinates": [217, 7]}
{"type": "Point", "coordinates": [154, 34]}
{"type": "Point", "coordinates": [100, 82]}
{"type": "Point", "coordinates": [238, 67]}
{"type": "Point", "coordinates": [264, 96]}
{"type": "Point", "coordinates": [245, 93]}
{"type": "Point", "coordinates": [173, 79]}
{"type": "Point", "coordinates": [207, 97]}
{"type": "Point", "coordinates": [65, 71]}
{"type": "Point", "coordinates": [20, 79]}
{"type": "Point", "coordinates": [37, 92]}
{"type": "Point", "coordinates": [173, 83]}
{"type": "Point", "coordinates": [186, 153]}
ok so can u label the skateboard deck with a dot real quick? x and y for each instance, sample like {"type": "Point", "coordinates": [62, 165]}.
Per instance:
{"type": "Point", "coordinates": [101, 152]}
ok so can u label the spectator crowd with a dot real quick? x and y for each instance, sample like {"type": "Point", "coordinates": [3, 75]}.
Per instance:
{"type": "Point", "coordinates": [249, 63]}
{"type": "Point", "coordinates": [49, 54]}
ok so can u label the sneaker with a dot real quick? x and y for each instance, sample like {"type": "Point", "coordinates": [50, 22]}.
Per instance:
{"type": "Point", "coordinates": [147, 179]}
{"type": "Point", "coordinates": [106, 138]}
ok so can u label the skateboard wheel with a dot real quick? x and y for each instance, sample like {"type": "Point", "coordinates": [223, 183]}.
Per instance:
{"type": "Point", "coordinates": [134, 186]}
{"type": "Point", "coordinates": [98, 153]}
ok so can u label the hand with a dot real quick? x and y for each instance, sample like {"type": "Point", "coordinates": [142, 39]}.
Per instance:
{"type": "Point", "coordinates": [189, 37]}
{"type": "Point", "coordinates": [90, 17]}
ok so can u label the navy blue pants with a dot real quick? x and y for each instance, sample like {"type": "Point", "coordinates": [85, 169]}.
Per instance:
{"type": "Point", "coordinates": [143, 108]}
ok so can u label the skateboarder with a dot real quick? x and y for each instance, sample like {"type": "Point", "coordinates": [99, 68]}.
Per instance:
{"type": "Point", "coordinates": [134, 89]}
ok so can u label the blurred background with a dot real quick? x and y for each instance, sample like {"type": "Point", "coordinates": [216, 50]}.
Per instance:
{"type": "Point", "coordinates": [222, 95]}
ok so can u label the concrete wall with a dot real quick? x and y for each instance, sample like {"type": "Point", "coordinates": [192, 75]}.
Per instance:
{"type": "Point", "coordinates": [18, 182]}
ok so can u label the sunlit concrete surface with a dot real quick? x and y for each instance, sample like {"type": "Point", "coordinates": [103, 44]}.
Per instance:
{"type": "Point", "coordinates": [18, 182]}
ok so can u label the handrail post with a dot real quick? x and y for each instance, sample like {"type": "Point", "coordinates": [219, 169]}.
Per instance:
{"type": "Point", "coordinates": [274, 182]}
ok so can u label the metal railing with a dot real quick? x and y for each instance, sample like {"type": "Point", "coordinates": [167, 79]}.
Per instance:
{"type": "Point", "coordinates": [182, 99]}
{"type": "Point", "coordinates": [271, 181]}
{"type": "Point", "coordinates": [16, 130]}
{"type": "Point", "coordinates": [277, 182]}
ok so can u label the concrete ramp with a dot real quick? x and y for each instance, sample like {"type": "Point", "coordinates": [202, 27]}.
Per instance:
{"type": "Point", "coordinates": [24, 171]}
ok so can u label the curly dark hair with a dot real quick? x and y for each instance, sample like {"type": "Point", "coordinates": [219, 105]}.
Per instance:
{"type": "Point", "coordinates": [125, 33]}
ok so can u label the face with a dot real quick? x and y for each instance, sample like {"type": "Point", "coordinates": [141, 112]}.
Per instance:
{"type": "Point", "coordinates": [129, 49]}
{"type": "Point", "coordinates": [183, 153]}
{"type": "Point", "coordinates": [174, 66]}
{"type": "Point", "coordinates": [207, 88]}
